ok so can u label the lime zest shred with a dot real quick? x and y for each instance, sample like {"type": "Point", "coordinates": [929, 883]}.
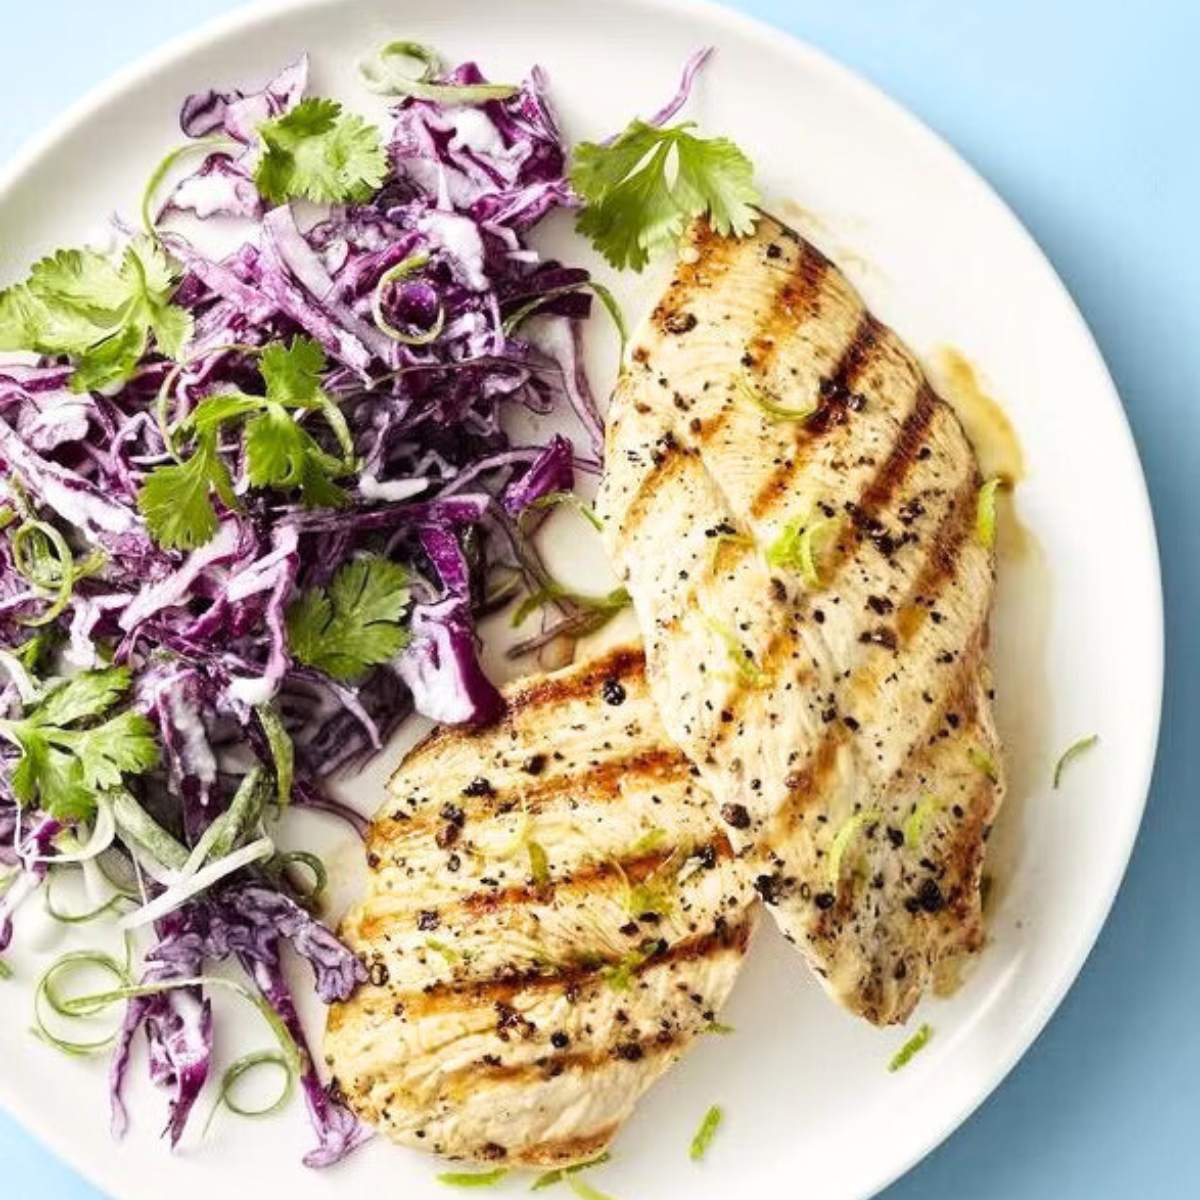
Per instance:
{"type": "Point", "coordinates": [718, 1027]}
{"type": "Point", "coordinates": [914, 824]}
{"type": "Point", "coordinates": [845, 835]}
{"type": "Point", "coordinates": [46, 993]}
{"type": "Point", "coordinates": [550, 1178]}
{"type": "Point", "coordinates": [447, 952]}
{"type": "Point", "coordinates": [5, 970]}
{"type": "Point", "coordinates": [650, 840]}
{"type": "Point", "coordinates": [80, 918]}
{"type": "Point", "coordinates": [796, 547]}
{"type": "Point", "coordinates": [607, 605]}
{"type": "Point", "coordinates": [380, 75]}
{"type": "Point", "coordinates": [772, 408]}
{"type": "Point", "coordinates": [539, 864]}
{"type": "Point", "coordinates": [473, 1179]}
{"type": "Point", "coordinates": [914, 1045]}
{"type": "Point", "coordinates": [395, 274]}
{"type": "Point", "coordinates": [985, 512]}
{"type": "Point", "coordinates": [1071, 753]}
{"type": "Point", "coordinates": [705, 1134]}
{"type": "Point", "coordinates": [619, 975]}
{"type": "Point", "coordinates": [585, 1191]}
{"type": "Point", "coordinates": [598, 289]}
{"type": "Point", "coordinates": [981, 760]}
{"type": "Point", "coordinates": [745, 668]}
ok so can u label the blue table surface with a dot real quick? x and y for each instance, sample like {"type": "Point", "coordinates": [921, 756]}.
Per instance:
{"type": "Point", "coordinates": [1082, 114]}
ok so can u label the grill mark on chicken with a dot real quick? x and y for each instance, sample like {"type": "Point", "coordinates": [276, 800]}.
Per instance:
{"type": "Point", "coordinates": [666, 466]}
{"type": "Point", "coordinates": [599, 781]}
{"type": "Point", "coordinates": [581, 1148]}
{"type": "Point", "coordinates": [453, 995]}
{"type": "Point", "coordinates": [796, 298]}
{"type": "Point", "coordinates": [855, 358]}
{"type": "Point", "coordinates": [635, 870]}
{"type": "Point", "coordinates": [552, 1065]}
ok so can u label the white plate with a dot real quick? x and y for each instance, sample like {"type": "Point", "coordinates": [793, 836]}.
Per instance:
{"type": "Point", "coordinates": [811, 1109]}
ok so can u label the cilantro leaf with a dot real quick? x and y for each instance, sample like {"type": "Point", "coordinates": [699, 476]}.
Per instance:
{"type": "Point", "coordinates": [88, 694]}
{"type": "Point", "coordinates": [61, 767]}
{"type": "Point", "coordinates": [282, 454]}
{"type": "Point", "coordinates": [98, 310]}
{"type": "Point", "coordinates": [293, 373]}
{"type": "Point", "coordinates": [317, 152]}
{"type": "Point", "coordinates": [633, 205]}
{"type": "Point", "coordinates": [176, 500]}
{"type": "Point", "coordinates": [354, 623]}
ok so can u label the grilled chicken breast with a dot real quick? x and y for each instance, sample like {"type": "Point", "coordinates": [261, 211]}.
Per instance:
{"type": "Point", "coordinates": [554, 914]}
{"type": "Point", "coordinates": [793, 510]}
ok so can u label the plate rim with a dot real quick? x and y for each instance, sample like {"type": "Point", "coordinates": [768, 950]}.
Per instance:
{"type": "Point", "coordinates": [42, 144]}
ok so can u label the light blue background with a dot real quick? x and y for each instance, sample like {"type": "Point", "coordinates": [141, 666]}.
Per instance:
{"type": "Point", "coordinates": [1083, 114]}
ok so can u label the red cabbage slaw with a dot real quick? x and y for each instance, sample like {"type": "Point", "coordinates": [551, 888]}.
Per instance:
{"type": "Point", "coordinates": [438, 487]}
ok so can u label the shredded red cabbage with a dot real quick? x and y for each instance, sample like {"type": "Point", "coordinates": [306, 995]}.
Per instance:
{"type": "Point", "coordinates": [435, 486]}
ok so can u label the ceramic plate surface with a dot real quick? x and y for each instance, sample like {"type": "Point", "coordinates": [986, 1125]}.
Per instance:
{"type": "Point", "coordinates": [811, 1109]}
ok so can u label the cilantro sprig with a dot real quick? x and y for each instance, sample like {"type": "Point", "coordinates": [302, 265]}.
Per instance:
{"type": "Point", "coordinates": [65, 757]}
{"type": "Point", "coordinates": [641, 188]}
{"type": "Point", "coordinates": [318, 152]}
{"type": "Point", "coordinates": [353, 624]}
{"type": "Point", "coordinates": [98, 310]}
{"type": "Point", "coordinates": [280, 453]}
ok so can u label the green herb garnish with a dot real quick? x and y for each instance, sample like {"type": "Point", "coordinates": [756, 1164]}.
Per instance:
{"type": "Point", "coordinates": [355, 623]}
{"type": "Point", "coordinates": [914, 824]}
{"type": "Point", "coordinates": [773, 409]}
{"type": "Point", "coordinates": [539, 866]}
{"type": "Point", "coordinates": [985, 512]}
{"type": "Point", "coordinates": [914, 1045]}
{"type": "Point", "coordinates": [706, 1133]}
{"type": "Point", "coordinates": [797, 545]}
{"type": "Point", "coordinates": [472, 1179]}
{"type": "Point", "coordinates": [97, 310]}
{"type": "Point", "coordinates": [641, 188]}
{"type": "Point", "coordinates": [1071, 753]}
{"type": "Point", "coordinates": [65, 758]}
{"type": "Point", "coordinates": [981, 760]}
{"type": "Point", "coordinates": [845, 835]}
{"type": "Point", "coordinates": [550, 1178]}
{"type": "Point", "coordinates": [318, 152]}
{"type": "Point", "coordinates": [745, 668]}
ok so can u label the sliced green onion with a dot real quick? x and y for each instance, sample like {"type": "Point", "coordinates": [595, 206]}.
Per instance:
{"type": "Point", "coordinates": [80, 918]}
{"type": "Point", "coordinates": [160, 173]}
{"type": "Point", "coordinates": [581, 506]}
{"type": "Point", "coordinates": [747, 671]}
{"type": "Point", "coordinates": [845, 835]}
{"type": "Point", "coordinates": [242, 814]}
{"type": "Point", "coordinates": [981, 760]}
{"type": "Point", "coordinates": [283, 753]}
{"type": "Point", "coordinates": [381, 75]}
{"type": "Point", "coordinates": [180, 893]}
{"type": "Point", "coordinates": [135, 823]}
{"type": "Point", "coordinates": [706, 1133]}
{"type": "Point", "coordinates": [602, 294]}
{"type": "Point", "coordinates": [607, 605]}
{"type": "Point", "coordinates": [42, 556]}
{"type": "Point", "coordinates": [243, 1066]}
{"type": "Point", "coordinates": [774, 410]}
{"type": "Point", "coordinates": [539, 866]}
{"type": "Point", "coordinates": [914, 824]}
{"type": "Point", "coordinates": [401, 270]}
{"type": "Point", "coordinates": [278, 867]}
{"type": "Point", "coordinates": [472, 1179]}
{"type": "Point", "coordinates": [550, 1178]}
{"type": "Point", "coordinates": [718, 1028]}
{"type": "Point", "coordinates": [45, 992]}
{"type": "Point", "coordinates": [796, 547]}
{"type": "Point", "coordinates": [914, 1045]}
{"type": "Point", "coordinates": [94, 1003]}
{"type": "Point", "coordinates": [1071, 753]}
{"type": "Point", "coordinates": [585, 1191]}
{"type": "Point", "coordinates": [985, 512]}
